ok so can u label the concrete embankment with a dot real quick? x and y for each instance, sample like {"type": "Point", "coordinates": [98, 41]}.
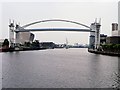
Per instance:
{"type": "Point", "coordinates": [104, 52]}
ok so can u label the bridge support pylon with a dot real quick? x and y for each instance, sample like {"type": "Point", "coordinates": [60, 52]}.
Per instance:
{"type": "Point", "coordinates": [11, 33]}
{"type": "Point", "coordinates": [95, 36]}
{"type": "Point", "coordinates": [17, 36]}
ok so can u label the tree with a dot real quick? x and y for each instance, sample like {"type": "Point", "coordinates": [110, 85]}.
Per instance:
{"type": "Point", "coordinates": [36, 44]}
{"type": "Point", "coordinates": [116, 47]}
{"type": "Point", "coordinates": [27, 44]}
{"type": "Point", "coordinates": [5, 43]}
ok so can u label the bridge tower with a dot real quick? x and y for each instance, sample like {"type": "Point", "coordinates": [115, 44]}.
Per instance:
{"type": "Point", "coordinates": [17, 36]}
{"type": "Point", "coordinates": [95, 36]}
{"type": "Point", "coordinates": [11, 33]}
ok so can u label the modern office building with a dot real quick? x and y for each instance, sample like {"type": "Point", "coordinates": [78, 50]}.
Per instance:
{"type": "Point", "coordinates": [115, 29]}
{"type": "Point", "coordinates": [25, 37]}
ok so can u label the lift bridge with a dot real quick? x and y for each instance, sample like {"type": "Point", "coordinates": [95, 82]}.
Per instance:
{"type": "Point", "coordinates": [94, 30]}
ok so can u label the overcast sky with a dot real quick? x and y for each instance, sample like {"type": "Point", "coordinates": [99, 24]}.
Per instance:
{"type": "Point", "coordinates": [82, 12]}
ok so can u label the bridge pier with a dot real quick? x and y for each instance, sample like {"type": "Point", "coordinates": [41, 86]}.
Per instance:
{"type": "Point", "coordinates": [97, 36]}
{"type": "Point", "coordinates": [11, 34]}
{"type": "Point", "coordinates": [94, 41]}
{"type": "Point", "coordinates": [17, 39]}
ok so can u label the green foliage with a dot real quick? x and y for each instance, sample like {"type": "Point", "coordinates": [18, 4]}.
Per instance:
{"type": "Point", "coordinates": [27, 44]}
{"type": "Point", "coordinates": [111, 47]}
{"type": "Point", "coordinates": [36, 44]}
{"type": "Point", "coordinates": [32, 45]}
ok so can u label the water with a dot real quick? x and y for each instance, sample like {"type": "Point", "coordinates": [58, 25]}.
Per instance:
{"type": "Point", "coordinates": [0, 71]}
{"type": "Point", "coordinates": [58, 68]}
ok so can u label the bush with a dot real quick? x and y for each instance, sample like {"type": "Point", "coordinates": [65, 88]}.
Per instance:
{"type": "Point", "coordinates": [5, 43]}
{"type": "Point", "coordinates": [111, 47]}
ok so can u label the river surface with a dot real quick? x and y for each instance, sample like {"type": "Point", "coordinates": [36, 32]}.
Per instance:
{"type": "Point", "coordinates": [58, 68]}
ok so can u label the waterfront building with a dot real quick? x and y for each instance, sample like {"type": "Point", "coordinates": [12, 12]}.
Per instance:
{"type": "Point", "coordinates": [25, 37]}
{"type": "Point", "coordinates": [31, 37]}
{"type": "Point", "coordinates": [119, 17]}
{"type": "Point", "coordinates": [115, 38]}
{"type": "Point", "coordinates": [95, 36]}
{"type": "Point", "coordinates": [48, 45]}
{"type": "Point", "coordinates": [103, 38]}
{"type": "Point", "coordinates": [115, 31]}
{"type": "Point", "coordinates": [92, 37]}
{"type": "Point", "coordinates": [91, 42]}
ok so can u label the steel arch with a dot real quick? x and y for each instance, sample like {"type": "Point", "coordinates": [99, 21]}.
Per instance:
{"type": "Point", "coordinates": [50, 20]}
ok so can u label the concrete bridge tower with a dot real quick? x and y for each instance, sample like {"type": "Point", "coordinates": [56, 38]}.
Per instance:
{"type": "Point", "coordinates": [13, 36]}
{"type": "Point", "coordinates": [95, 36]}
{"type": "Point", "coordinates": [17, 36]}
{"type": "Point", "coordinates": [11, 33]}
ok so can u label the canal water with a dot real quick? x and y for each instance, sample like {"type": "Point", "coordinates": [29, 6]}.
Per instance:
{"type": "Point", "coordinates": [58, 68]}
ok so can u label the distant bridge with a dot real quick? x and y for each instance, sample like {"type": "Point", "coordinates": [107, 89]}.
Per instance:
{"type": "Point", "coordinates": [53, 20]}
{"type": "Point", "coordinates": [22, 29]}
{"type": "Point", "coordinates": [55, 29]}
{"type": "Point", "coordinates": [94, 30]}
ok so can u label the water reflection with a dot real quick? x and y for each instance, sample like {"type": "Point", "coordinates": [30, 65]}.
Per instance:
{"type": "Point", "coordinates": [0, 70]}
{"type": "Point", "coordinates": [58, 68]}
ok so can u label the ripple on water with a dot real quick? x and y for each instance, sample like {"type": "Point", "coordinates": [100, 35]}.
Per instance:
{"type": "Point", "coordinates": [58, 68]}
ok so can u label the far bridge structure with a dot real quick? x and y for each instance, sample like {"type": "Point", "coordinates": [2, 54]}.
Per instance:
{"type": "Point", "coordinates": [94, 29]}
